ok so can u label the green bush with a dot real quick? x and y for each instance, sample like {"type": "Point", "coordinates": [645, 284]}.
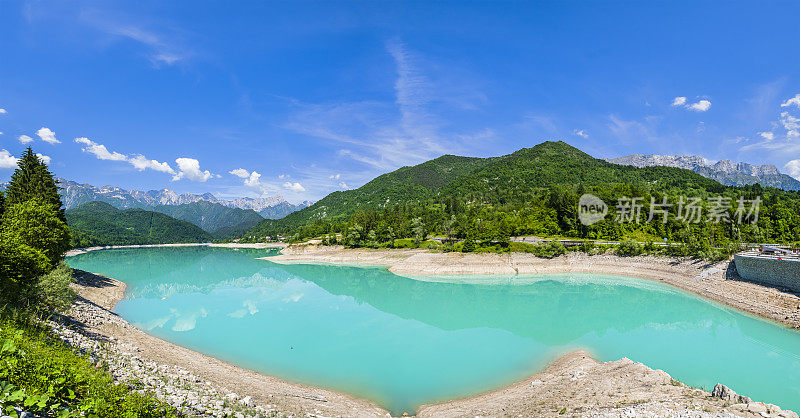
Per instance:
{"type": "Point", "coordinates": [629, 248]}
{"type": "Point", "coordinates": [53, 290]}
{"type": "Point", "coordinates": [43, 375]}
{"type": "Point", "coordinates": [468, 247]}
{"type": "Point", "coordinates": [37, 225]}
{"type": "Point", "coordinates": [20, 266]}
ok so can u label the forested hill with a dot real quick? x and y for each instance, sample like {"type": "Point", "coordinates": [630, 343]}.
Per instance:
{"type": "Point", "coordinates": [99, 223]}
{"type": "Point", "coordinates": [498, 180]}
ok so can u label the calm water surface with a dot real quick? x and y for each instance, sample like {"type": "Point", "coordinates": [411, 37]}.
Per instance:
{"type": "Point", "coordinates": [404, 342]}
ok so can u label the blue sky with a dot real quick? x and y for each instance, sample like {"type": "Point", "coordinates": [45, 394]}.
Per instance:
{"type": "Point", "coordinates": [321, 96]}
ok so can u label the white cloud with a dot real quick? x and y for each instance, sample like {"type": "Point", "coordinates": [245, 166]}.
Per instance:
{"type": "Point", "coordinates": [250, 179]}
{"type": "Point", "coordinates": [581, 133]}
{"type": "Point", "coordinates": [25, 139]}
{"type": "Point", "coordinates": [793, 168]}
{"type": "Point", "coordinates": [295, 187]}
{"type": "Point", "coordinates": [189, 168]}
{"type": "Point", "coordinates": [140, 162]}
{"type": "Point", "coordinates": [679, 101]}
{"type": "Point", "coordinates": [769, 136]}
{"type": "Point", "coordinates": [335, 176]}
{"type": "Point", "coordinates": [789, 122]}
{"type": "Point", "coordinates": [240, 172]}
{"type": "Point", "coordinates": [700, 106]}
{"type": "Point", "coordinates": [7, 160]}
{"type": "Point", "coordinates": [253, 180]}
{"type": "Point", "coordinates": [793, 101]}
{"type": "Point", "coordinates": [100, 151]}
{"type": "Point", "coordinates": [45, 159]}
{"type": "Point", "coordinates": [344, 185]}
{"type": "Point", "coordinates": [3, 111]}
{"type": "Point", "coordinates": [47, 136]}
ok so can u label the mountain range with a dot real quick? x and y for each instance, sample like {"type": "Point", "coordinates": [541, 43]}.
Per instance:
{"type": "Point", "coordinates": [222, 218]}
{"type": "Point", "coordinates": [724, 171]}
{"type": "Point", "coordinates": [75, 194]}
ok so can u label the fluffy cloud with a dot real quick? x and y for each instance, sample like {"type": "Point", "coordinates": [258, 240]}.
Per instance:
{"type": "Point", "coordinates": [581, 133]}
{"type": "Point", "coordinates": [344, 185]}
{"type": "Point", "coordinates": [189, 168]}
{"type": "Point", "coordinates": [793, 168]}
{"type": "Point", "coordinates": [789, 122]}
{"type": "Point", "coordinates": [295, 187]}
{"type": "Point", "coordinates": [700, 106]}
{"type": "Point", "coordinates": [47, 136]}
{"type": "Point", "coordinates": [240, 172]}
{"type": "Point", "coordinates": [45, 159]}
{"type": "Point", "coordinates": [100, 151]}
{"type": "Point", "coordinates": [3, 112]}
{"type": "Point", "coordinates": [769, 136]}
{"type": "Point", "coordinates": [793, 101]}
{"type": "Point", "coordinates": [250, 179]}
{"type": "Point", "coordinates": [253, 180]}
{"type": "Point", "coordinates": [7, 160]}
{"type": "Point", "coordinates": [335, 176]}
{"type": "Point", "coordinates": [140, 162]}
{"type": "Point", "coordinates": [25, 139]}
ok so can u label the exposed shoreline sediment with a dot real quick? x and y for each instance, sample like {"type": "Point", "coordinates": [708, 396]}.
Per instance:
{"type": "Point", "coordinates": [575, 384]}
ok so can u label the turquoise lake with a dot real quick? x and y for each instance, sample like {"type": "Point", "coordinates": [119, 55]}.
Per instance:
{"type": "Point", "coordinates": [403, 342]}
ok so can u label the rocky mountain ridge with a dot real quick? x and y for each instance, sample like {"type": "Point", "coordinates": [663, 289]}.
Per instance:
{"type": "Point", "coordinates": [726, 172]}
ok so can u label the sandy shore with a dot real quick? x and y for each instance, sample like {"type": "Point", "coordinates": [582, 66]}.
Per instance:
{"type": "Point", "coordinates": [77, 251]}
{"type": "Point", "coordinates": [715, 281]}
{"type": "Point", "coordinates": [574, 385]}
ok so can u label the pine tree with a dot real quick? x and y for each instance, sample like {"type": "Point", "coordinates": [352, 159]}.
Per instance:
{"type": "Point", "coordinates": [33, 180]}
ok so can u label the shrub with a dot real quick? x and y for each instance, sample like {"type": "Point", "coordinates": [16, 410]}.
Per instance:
{"type": "Point", "coordinates": [468, 247]}
{"type": "Point", "coordinates": [629, 248]}
{"type": "Point", "coordinates": [53, 290]}
{"type": "Point", "coordinates": [20, 265]}
{"type": "Point", "coordinates": [37, 225]}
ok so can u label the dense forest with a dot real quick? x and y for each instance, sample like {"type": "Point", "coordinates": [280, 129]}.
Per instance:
{"type": "Point", "coordinates": [535, 191]}
{"type": "Point", "coordinates": [98, 223]}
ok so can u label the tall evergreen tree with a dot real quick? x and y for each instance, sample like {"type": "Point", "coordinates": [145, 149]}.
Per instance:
{"type": "Point", "coordinates": [33, 180]}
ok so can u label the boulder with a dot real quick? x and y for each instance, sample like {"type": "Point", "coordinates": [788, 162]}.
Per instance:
{"type": "Point", "coordinates": [727, 394]}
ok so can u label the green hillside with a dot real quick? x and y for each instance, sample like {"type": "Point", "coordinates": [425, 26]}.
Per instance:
{"type": "Point", "coordinates": [221, 221]}
{"type": "Point", "coordinates": [98, 223]}
{"type": "Point", "coordinates": [533, 191]}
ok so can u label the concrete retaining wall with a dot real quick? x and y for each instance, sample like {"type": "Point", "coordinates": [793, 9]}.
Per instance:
{"type": "Point", "coordinates": [772, 271]}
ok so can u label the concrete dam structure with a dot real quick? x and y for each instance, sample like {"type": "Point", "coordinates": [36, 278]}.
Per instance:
{"type": "Point", "coordinates": [778, 267]}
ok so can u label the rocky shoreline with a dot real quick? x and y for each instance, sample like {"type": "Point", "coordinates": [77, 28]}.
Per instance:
{"type": "Point", "coordinates": [574, 385]}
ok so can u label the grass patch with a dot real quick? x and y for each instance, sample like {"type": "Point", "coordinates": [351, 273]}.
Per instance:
{"type": "Point", "coordinates": [41, 374]}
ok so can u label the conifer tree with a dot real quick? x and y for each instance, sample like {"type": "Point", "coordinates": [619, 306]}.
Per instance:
{"type": "Point", "coordinates": [33, 180]}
